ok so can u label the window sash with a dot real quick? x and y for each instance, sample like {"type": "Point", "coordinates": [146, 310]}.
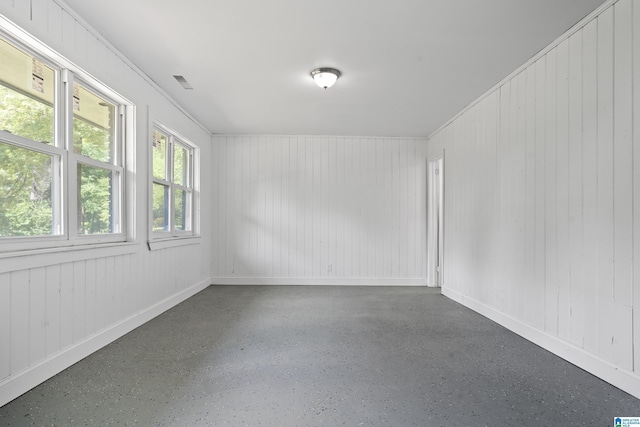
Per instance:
{"type": "Point", "coordinates": [169, 181]}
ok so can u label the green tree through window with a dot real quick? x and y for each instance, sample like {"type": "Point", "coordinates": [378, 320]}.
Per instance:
{"type": "Point", "coordinates": [25, 175]}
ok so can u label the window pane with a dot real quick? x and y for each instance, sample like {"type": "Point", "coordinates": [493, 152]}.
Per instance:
{"type": "Point", "coordinates": [25, 186]}
{"type": "Point", "coordinates": [180, 165]}
{"type": "Point", "coordinates": [26, 95]}
{"type": "Point", "coordinates": [93, 125]}
{"type": "Point", "coordinates": [183, 210]}
{"type": "Point", "coordinates": [160, 207]}
{"type": "Point", "coordinates": [159, 155]}
{"type": "Point", "coordinates": [95, 200]}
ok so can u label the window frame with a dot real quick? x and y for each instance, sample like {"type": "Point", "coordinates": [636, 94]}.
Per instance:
{"type": "Point", "coordinates": [65, 161]}
{"type": "Point", "coordinates": [191, 187]}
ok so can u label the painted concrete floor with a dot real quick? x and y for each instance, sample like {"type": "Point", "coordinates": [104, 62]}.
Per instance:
{"type": "Point", "coordinates": [321, 356]}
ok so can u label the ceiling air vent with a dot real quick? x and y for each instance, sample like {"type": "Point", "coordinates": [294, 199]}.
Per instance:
{"type": "Point", "coordinates": [185, 84]}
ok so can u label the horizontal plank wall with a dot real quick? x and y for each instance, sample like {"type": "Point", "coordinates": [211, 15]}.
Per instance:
{"type": "Point", "coordinates": [58, 307]}
{"type": "Point", "coordinates": [542, 185]}
{"type": "Point", "coordinates": [320, 210]}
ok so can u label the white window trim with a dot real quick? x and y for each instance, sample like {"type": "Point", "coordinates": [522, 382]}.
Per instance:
{"type": "Point", "coordinates": [65, 72]}
{"type": "Point", "coordinates": [172, 238]}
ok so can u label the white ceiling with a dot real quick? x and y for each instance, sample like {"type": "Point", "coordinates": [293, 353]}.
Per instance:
{"type": "Point", "coordinates": [408, 65]}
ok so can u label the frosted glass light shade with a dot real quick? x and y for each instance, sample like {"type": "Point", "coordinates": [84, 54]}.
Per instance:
{"type": "Point", "coordinates": [325, 77]}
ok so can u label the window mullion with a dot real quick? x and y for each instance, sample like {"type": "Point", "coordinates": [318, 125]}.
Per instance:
{"type": "Point", "coordinates": [172, 221]}
{"type": "Point", "coordinates": [60, 184]}
{"type": "Point", "coordinates": [119, 160]}
{"type": "Point", "coordinates": [57, 194]}
{"type": "Point", "coordinates": [70, 199]}
{"type": "Point", "coordinates": [189, 182]}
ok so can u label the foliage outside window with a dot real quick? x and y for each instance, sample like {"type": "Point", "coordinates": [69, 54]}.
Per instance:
{"type": "Point", "coordinates": [55, 184]}
{"type": "Point", "coordinates": [172, 192]}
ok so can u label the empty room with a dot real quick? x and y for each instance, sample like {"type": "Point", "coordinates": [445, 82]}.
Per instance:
{"type": "Point", "coordinates": [285, 213]}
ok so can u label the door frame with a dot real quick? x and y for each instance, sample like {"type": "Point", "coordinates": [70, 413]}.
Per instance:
{"type": "Point", "coordinates": [435, 220]}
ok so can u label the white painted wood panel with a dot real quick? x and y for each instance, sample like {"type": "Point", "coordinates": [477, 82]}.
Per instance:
{"type": "Point", "coordinates": [277, 253]}
{"type": "Point", "coordinates": [256, 206]}
{"type": "Point", "coordinates": [127, 298]}
{"type": "Point", "coordinates": [5, 325]}
{"type": "Point", "coordinates": [562, 191]}
{"type": "Point", "coordinates": [101, 294]}
{"type": "Point", "coordinates": [576, 274]}
{"type": "Point", "coordinates": [623, 182]}
{"type": "Point", "coordinates": [110, 279]}
{"type": "Point", "coordinates": [6, 4]}
{"type": "Point", "coordinates": [420, 208]}
{"type": "Point", "coordinates": [22, 9]}
{"type": "Point", "coordinates": [52, 310]}
{"type": "Point", "coordinates": [37, 314]}
{"type": "Point", "coordinates": [623, 151]}
{"type": "Point", "coordinates": [66, 305]}
{"type": "Point", "coordinates": [590, 181]}
{"type": "Point", "coordinates": [220, 254]}
{"type": "Point", "coordinates": [539, 237]}
{"type": "Point", "coordinates": [20, 322]}
{"type": "Point", "coordinates": [566, 177]}
{"type": "Point", "coordinates": [79, 302]}
{"type": "Point", "coordinates": [550, 173]}
{"type": "Point", "coordinates": [636, 190]}
{"type": "Point", "coordinates": [39, 10]}
{"type": "Point", "coordinates": [529, 137]}
{"type": "Point", "coordinates": [411, 212]}
{"type": "Point", "coordinates": [502, 189]}
{"type": "Point", "coordinates": [56, 23]}
{"type": "Point", "coordinates": [340, 200]}
{"type": "Point", "coordinates": [90, 296]}
{"type": "Point", "coordinates": [605, 205]}
{"type": "Point", "coordinates": [323, 207]}
{"type": "Point", "coordinates": [68, 24]}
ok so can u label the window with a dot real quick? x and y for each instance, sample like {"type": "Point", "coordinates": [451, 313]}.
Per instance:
{"type": "Point", "coordinates": [172, 192]}
{"type": "Point", "coordinates": [61, 154]}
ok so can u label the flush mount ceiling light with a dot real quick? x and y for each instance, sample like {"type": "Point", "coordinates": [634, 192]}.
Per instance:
{"type": "Point", "coordinates": [325, 77]}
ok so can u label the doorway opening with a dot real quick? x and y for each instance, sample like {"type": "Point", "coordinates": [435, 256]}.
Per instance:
{"type": "Point", "coordinates": [435, 221]}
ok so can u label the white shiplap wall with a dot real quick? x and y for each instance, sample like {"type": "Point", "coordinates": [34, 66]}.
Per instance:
{"type": "Point", "coordinates": [320, 210]}
{"type": "Point", "coordinates": [542, 198]}
{"type": "Point", "coordinates": [59, 306]}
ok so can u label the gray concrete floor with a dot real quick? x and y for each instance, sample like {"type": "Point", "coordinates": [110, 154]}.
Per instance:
{"type": "Point", "coordinates": [321, 356]}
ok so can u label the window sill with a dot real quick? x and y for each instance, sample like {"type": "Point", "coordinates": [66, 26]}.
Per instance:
{"type": "Point", "coordinates": [33, 258]}
{"type": "Point", "coordinates": [172, 242]}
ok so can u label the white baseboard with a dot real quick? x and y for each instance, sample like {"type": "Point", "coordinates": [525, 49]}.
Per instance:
{"type": "Point", "coordinates": [18, 384]}
{"type": "Point", "coordinates": [335, 281]}
{"type": "Point", "coordinates": [615, 375]}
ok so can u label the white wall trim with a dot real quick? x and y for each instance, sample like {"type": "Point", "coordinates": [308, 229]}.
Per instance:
{"type": "Point", "coordinates": [173, 242]}
{"type": "Point", "coordinates": [277, 135]}
{"type": "Point", "coordinates": [584, 21]}
{"type": "Point", "coordinates": [18, 384]}
{"type": "Point", "coordinates": [23, 260]}
{"type": "Point", "coordinates": [337, 281]}
{"type": "Point", "coordinates": [615, 375]}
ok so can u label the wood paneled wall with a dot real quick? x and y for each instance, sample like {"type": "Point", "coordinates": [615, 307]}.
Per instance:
{"type": "Point", "coordinates": [542, 198]}
{"type": "Point", "coordinates": [308, 210]}
{"type": "Point", "coordinates": [57, 307]}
